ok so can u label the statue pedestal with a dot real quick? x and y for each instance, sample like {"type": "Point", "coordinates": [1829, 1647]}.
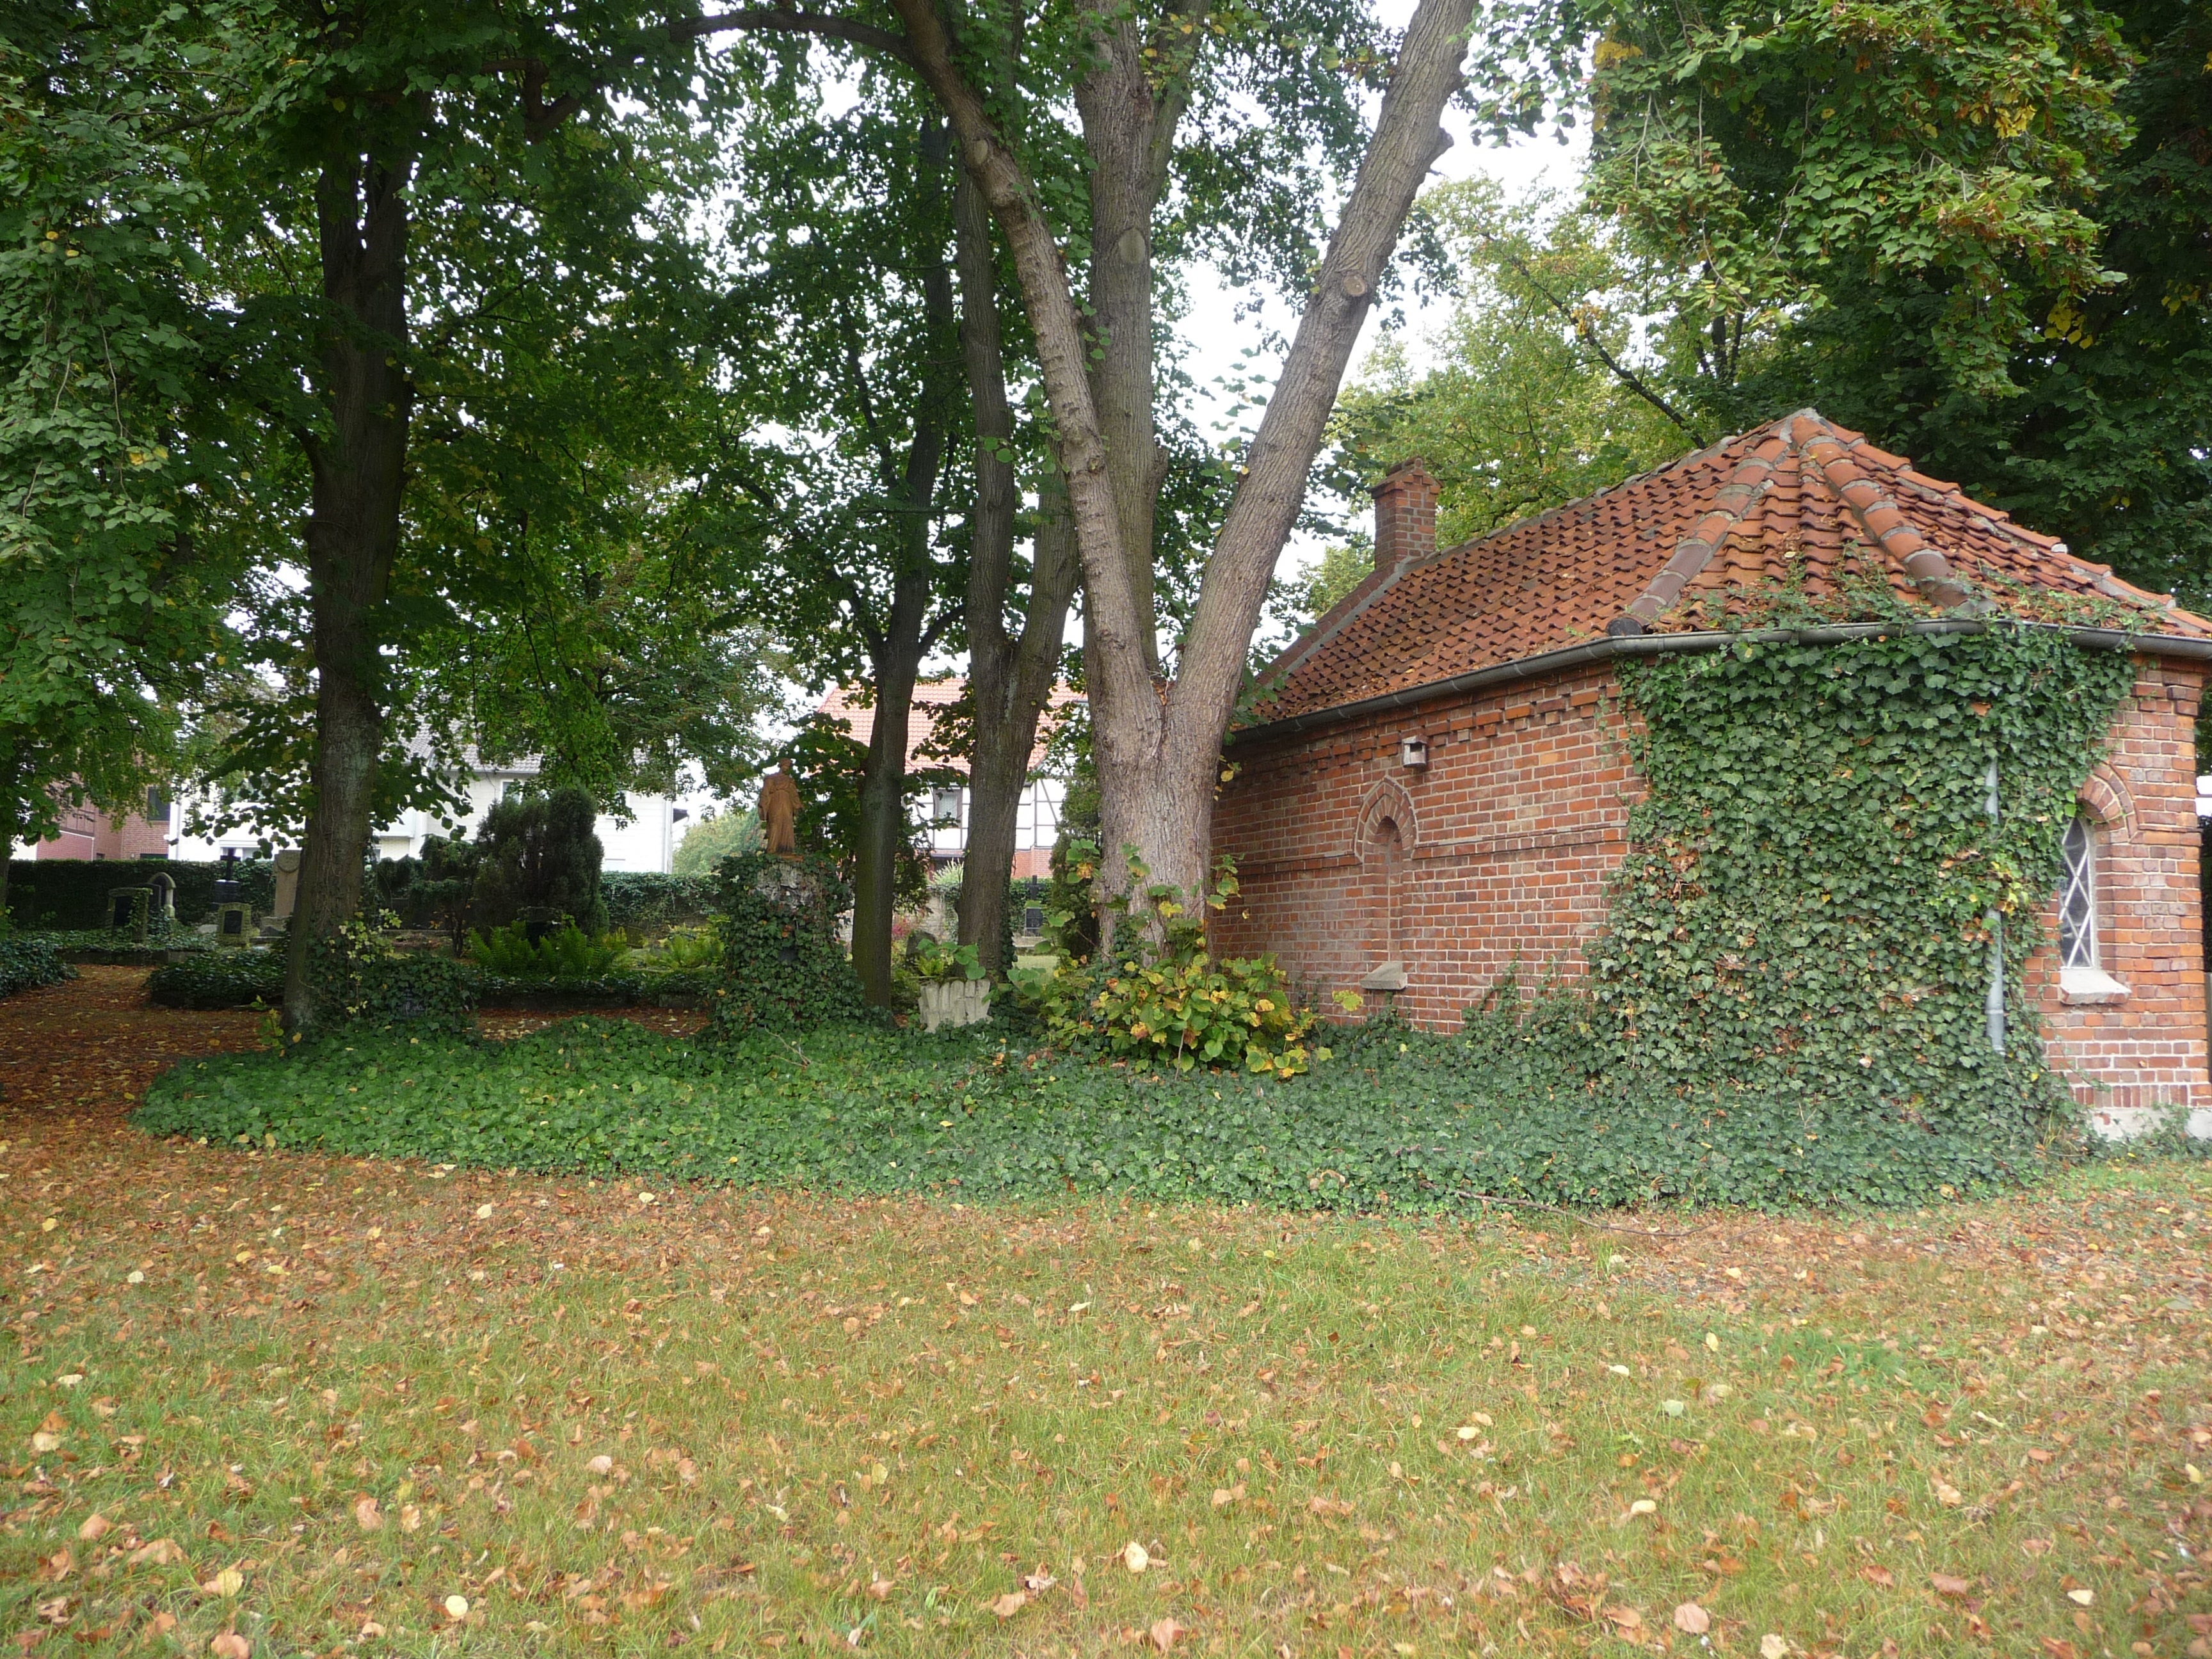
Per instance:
{"type": "Point", "coordinates": [955, 1002]}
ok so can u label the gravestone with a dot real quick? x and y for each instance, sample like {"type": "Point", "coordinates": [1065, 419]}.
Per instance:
{"type": "Point", "coordinates": [127, 908]}
{"type": "Point", "coordinates": [233, 925]}
{"type": "Point", "coordinates": [287, 882]}
{"type": "Point", "coordinates": [165, 897]}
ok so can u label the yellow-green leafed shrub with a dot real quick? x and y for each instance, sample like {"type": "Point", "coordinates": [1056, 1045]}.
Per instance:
{"type": "Point", "coordinates": [1197, 1011]}
{"type": "Point", "coordinates": [1173, 1003]}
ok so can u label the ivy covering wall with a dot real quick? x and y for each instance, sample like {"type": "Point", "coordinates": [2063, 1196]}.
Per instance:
{"type": "Point", "coordinates": [1788, 999]}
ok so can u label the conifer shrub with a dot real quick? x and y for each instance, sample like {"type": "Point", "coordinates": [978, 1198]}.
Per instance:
{"type": "Point", "coordinates": [538, 861]}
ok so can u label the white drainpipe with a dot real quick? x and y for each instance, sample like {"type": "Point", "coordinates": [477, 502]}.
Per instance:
{"type": "Point", "coordinates": [1994, 1007]}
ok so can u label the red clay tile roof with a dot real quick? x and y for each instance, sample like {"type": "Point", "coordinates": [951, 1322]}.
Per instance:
{"type": "Point", "coordinates": [1798, 502]}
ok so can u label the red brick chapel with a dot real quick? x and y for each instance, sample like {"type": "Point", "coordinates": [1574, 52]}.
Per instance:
{"type": "Point", "coordinates": [1437, 789]}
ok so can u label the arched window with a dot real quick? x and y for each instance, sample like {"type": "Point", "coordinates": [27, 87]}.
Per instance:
{"type": "Point", "coordinates": [2077, 897]}
{"type": "Point", "coordinates": [2083, 974]}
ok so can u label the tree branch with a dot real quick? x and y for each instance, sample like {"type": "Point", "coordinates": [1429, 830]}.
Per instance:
{"type": "Point", "coordinates": [539, 118]}
{"type": "Point", "coordinates": [1587, 335]}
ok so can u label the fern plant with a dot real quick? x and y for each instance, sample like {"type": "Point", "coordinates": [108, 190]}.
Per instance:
{"type": "Point", "coordinates": [563, 952]}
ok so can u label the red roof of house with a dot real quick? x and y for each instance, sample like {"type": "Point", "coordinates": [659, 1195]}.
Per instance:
{"type": "Point", "coordinates": [929, 696]}
{"type": "Point", "coordinates": [1798, 502]}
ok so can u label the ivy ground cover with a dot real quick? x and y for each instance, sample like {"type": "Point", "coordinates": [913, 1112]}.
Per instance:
{"type": "Point", "coordinates": [286, 1403]}
{"type": "Point", "coordinates": [1397, 1122]}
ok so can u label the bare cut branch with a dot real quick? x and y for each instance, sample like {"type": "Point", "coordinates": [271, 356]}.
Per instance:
{"type": "Point", "coordinates": [1627, 377]}
{"type": "Point", "coordinates": [789, 20]}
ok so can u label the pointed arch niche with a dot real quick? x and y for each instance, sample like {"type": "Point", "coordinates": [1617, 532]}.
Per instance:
{"type": "Point", "coordinates": [1384, 842]}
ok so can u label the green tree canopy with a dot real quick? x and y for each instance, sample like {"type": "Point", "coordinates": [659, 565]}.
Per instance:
{"type": "Point", "coordinates": [1533, 400]}
{"type": "Point", "coordinates": [1976, 229]}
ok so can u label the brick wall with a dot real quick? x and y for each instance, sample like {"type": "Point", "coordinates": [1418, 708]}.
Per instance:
{"type": "Point", "coordinates": [2147, 1050]}
{"type": "Point", "coordinates": [1503, 842]}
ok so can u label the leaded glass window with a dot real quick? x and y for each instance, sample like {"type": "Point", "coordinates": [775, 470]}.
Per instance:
{"type": "Point", "coordinates": [2077, 898]}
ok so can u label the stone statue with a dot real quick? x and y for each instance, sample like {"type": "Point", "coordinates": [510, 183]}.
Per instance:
{"type": "Point", "coordinates": [778, 812]}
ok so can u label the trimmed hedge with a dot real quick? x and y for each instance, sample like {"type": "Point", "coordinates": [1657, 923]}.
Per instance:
{"type": "Point", "coordinates": [653, 903]}
{"type": "Point", "coordinates": [616, 990]}
{"type": "Point", "coordinates": [239, 979]}
{"type": "Point", "coordinates": [72, 893]}
{"type": "Point", "coordinates": [69, 894]}
{"type": "Point", "coordinates": [220, 979]}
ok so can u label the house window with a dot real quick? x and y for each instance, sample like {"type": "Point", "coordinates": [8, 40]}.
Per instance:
{"type": "Point", "coordinates": [944, 805]}
{"type": "Point", "coordinates": [2077, 898]}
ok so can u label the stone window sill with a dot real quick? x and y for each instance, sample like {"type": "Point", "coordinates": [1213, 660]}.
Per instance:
{"type": "Point", "coordinates": [2089, 986]}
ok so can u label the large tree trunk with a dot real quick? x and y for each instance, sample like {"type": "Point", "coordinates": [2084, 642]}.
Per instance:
{"type": "Point", "coordinates": [11, 820]}
{"type": "Point", "coordinates": [1012, 690]}
{"type": "Point", "coordinates": [1128, 130]}
{"type": "Point", "coordinates": [896, 653]}
{"type": "Point", "coordinates": [882, 799]}
{"type": "Point", "coordinates": [1156, 750]}
{"type": "Point", "coordinates": [1010, 676]}
{"type": "Point", "coordinates": [358, 468]}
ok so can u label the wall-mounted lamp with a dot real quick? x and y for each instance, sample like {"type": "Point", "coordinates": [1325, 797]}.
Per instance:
{"type": "Point", "coordinates": [1414, 752]}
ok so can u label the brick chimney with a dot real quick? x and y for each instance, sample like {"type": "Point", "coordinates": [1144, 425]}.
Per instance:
{"type": "Point", "coordinates": [1404, 515]}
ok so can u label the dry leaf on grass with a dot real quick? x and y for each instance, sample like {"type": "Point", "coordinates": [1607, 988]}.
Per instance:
{"type": "Point", "coordinates": [1880, 1578]}
{"type": "Point", "coordinates": [1164, 1633]}
{"type": "Point", "coordinates": [1011, 1603]}
{"type": "Point", "coordinates": [1691, 1619]}
{"type": "Point", "coordinates": [1948, 1584]}
{"type": "Point", "coordinates": [366, 1514]}
{"type": "Point", "coordinates": [229, 1644]}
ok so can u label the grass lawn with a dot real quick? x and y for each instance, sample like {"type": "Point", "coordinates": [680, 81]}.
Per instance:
{"type": "Point", "coordinates": [290, 1403]}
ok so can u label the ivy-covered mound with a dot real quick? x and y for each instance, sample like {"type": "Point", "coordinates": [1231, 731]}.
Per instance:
{"type": "Point", "coordinates": [219, 979]}
{"type": "Point", "coordinates": [785, 968]}
{"type": "Point", "coordinates": [1788, 1000]}
{"type": "Point", "coordinates": [28, 960]}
